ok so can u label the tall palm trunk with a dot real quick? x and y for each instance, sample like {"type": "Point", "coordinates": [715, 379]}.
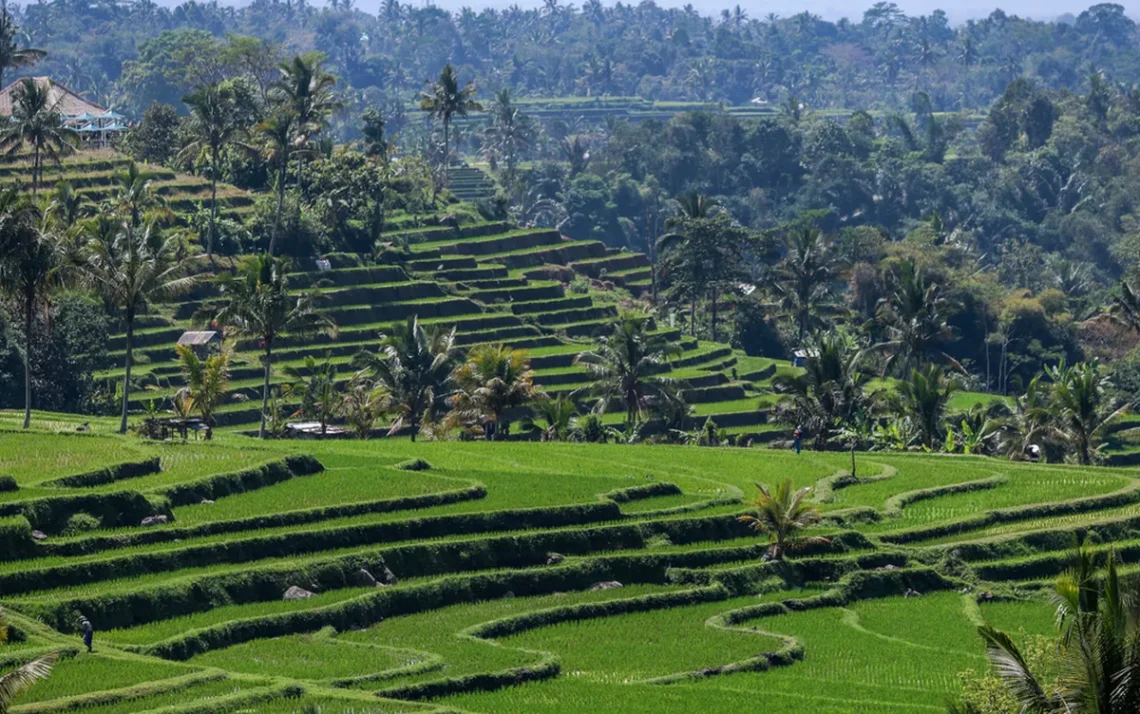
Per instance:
{"type": "Point", "coordinates": [693, 315]}
{"type": "Point", "coordinates": [127, 372]}
{"type": "Point", "coordinates": [29, 305]}
{"type": "Point", "coordinates": [712, 326]}
{"type": "Point", "coordinates": [36, 169]}
{"type": "Point", "coordinates": [213, 203]}
{"type": "Point", "coordinates": [414, 422]}
{"type": "Point", "coordinates": [265, 385]}
{"type": "Point", "coordinates": [446, 150]}
{"type": "Point", "coordinates": [280, 204]}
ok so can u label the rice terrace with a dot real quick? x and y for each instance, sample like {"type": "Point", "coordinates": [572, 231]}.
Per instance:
{"type": "Point", "coordinates": [642, 360]}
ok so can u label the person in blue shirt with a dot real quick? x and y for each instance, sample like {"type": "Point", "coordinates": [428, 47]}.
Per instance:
{"type": "Point", "coordinates": [798, 438]}
{"type": "Point", "coordinates": [88, 632]}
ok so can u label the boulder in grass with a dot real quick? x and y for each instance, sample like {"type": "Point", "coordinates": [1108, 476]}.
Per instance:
{"type": "Point", "coordinates": [554, 558]}
{"type": "Point", "coordinates": [39, 535]}
{"type": "Point", "coordinates": [206, 502]}
{"type": "Point", "coordinates": [414, 465]}
{"type": "Point", "coordinates": [155, 520]}
{"type": "Point", "coordinates": [362, 578]}
{"type": "Point", "coordinates": [606, 585]}
{"type": "Point", "coordinates": [386, 577]}
{"type": "Point", "coordinates": [296, 593]}
{"type": "Point", "coordinates": [911, 593]}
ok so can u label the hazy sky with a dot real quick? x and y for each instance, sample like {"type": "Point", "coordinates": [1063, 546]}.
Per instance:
{"type": "Point", "coordinates": [959, 10]}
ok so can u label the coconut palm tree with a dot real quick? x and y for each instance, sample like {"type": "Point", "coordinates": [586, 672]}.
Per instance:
{"type": "Point", "coordinates": [829, 394]}
{"type": "Point", "coordinates": [206, 381]}
{"type": "Point", "coordinates": [26, 267]}
{"type": "Point", "coordinates": [558, 414]}
{"type": "Point", "coordinates": [625, 367]}
{"type": "Point", "coordinates": [444, 100]}
{"type": "Point", "coordinates": [509, 133]}
{"type": "Point", "coordinates": [66, 206]}
{"type": "Point", "coordinates": [1080, 406]}
{"type": "Point", "coordinates": [37, 122]}
{"type": "Point", "coordinates": [782, 514]}
{"type": "Point", "coordinates": [18, 681]}
{"type": "Point", "coordinates": [922, 399]}
{"type": "Point", "coordinates": [914, 313]}
{"type": "Point", "coordinates": [307, 89]}
{"type": "Point", "coordinates": [362, 403]}
{"type": "Point", "coordinates": [1125, 307]}
{"type": "Point", "coordinates": [414, 365]}
{"type": "Point", "coordinates": [805, 279]}
{"type": "Point", "coordinates": [257, 304]}
{"type": "Point", "coordinates": [1099, 648]}
{"type": "Point", "coordinates": [134, 195]}
{"type": "Point", "coordinates": [278, 138]}
{"type": "Point", "coordinates": [132, 267]}
{"type": "Point", "coordinates": [313, 385]}
{"type": "Point", "coordinates": [12, 56]}
{"type": "Point", "coordinates": [492, 380]}
{"type": "Point", "coordinates": [215, 123]}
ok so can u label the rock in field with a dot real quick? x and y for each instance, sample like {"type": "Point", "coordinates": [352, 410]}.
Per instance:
{"type": "Point", "coordinates": [606, 585]}
{"type": "Point", "coordinates": [387, 577]}
{"type": "Point", "coordinates": [155, 520]}
{"type": "Point", "coordinates": [554, 558]}
{"type": "Point", "coordinates": [296, 593]}
{"type": "Point", "coordinates": [39, 535]}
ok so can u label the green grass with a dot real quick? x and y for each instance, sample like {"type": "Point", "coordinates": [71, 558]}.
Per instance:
{"type": "Point", "coordinates": [309, 656]}
{"type": "Point", "coordinates": [94, 672]}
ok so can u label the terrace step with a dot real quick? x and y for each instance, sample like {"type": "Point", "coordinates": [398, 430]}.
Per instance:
{"type": "Point", "coordinates": [509, 242]}
{"type": "Point", "coordinates": [720, 393]}
{"type": "Point", "coordinates": [526, 294]}
{"type": "Point", "coordinates": [565, 303]}
{"type": "Point", "coordinates": [611, 263]}
{"type": "Point", "coordinates": [563, 254]}
{"type": "Point", "coordinates": [463, 275]}
{"type": "Point", "coordinates": [438, 264]}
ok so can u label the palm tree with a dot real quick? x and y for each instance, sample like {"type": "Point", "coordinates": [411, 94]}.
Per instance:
{"type": "Point", "coordinates": [624, 369]}
{"type": "Point", "coordinates": [278, 138]}
{"type": "Point", "coordinates": [805, 279]}
{"type": "Point", "coordinates": [508, 134]}
{"type": "Point", "coordinates": [314, 386]}
{"type": "Point", "coordinates": [215, 123]}
{"type": "Point", "coordinates": [414, 365]}
{"type": "Point", "coordinates": [257, 304]}
{"type": "Point", "coordinates": [362, 403]}
{"type": "Point", "coordinates": [492, 380]}
{"type": "Point", "coordinates": [914, 315]}
{"type": "Point", "coordinates": [829, 394]}
{"type": "Point", "coordinates": [131, 268]}
{"type": "Point", "coordinates": [18, 681]}
{"type": "Point", "coordinates": [66, 206]}
{"type": "Point", "coordinates": [11, 54]}
{"type": "Point", "coordinates": [782, 514]}
{"type": "Point", "coordinates": [558, 414]}
{"type": "Point", "coordinates": [36, 120]}
{"type": "Point", "coordinates": [1080, 406]}
{"type": "Point", "coordinates": [29, 262]}
{"type": "Point", "coordinates": [1099, 647]}
{"type": "Point", "coordinates": [307, 89]}
{"type": "Point", "coordinates": [922, 399]}
{"type": "Point", "coordinates": [206, 381]}
{"type": "Point", "coordinates": [1125, 307]}
{"type": "Point", "coordinates": [135, 196]}
{"type": "Point", "coordinates": [445, 100]}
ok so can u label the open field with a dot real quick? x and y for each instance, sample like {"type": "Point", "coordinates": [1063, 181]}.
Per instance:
{"type": "Point", "coordinates": [493, 557]}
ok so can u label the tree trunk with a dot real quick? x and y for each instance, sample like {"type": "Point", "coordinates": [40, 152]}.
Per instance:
{"type": "Point", "coordinates": [213, 204]}
{"type": "Point", "coordinates": [36, 169]}
{"type": "Point", "coordinates": [712, 326]}
{"type": "Point", "coordinates": [693, 316]}
{"type": "Point", "coordinates": [29, 305]}
{"type": "Point", "coordinates": [414, 422]}
{"type": "Point", "coordinates": [446, 150]}
{"type": "Point", "coordinates": [265, 389]}
{"type": "Point", "coordinates": [280, 205]}
{"type": "Point", "coordinates": [127, 372]}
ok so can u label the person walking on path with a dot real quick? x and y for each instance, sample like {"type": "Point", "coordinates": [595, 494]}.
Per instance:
{"type": "Point", "coordinates": [798, 438]}
{"type": "Point", "coordinates": [88, 632]}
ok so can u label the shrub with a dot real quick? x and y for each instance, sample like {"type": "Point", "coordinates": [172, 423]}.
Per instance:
{"type": "Point", "coordinates": [80, 523]}
{"type": "Point", "coordinates": [7, 483]}
{"type": "Point", "coordinates": [414, 465]}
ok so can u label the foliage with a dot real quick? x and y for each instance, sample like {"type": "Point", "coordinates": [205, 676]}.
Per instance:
{"type": "Point", "coordinates": [493, 380]}
{"type": "Point", "coordinates": [207, 381]}
{"type": "Point", "coordinates": [783, 513]}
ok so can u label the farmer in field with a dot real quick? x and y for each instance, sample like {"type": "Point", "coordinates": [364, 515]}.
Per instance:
{"type": "Point", "coordinates": [87, 630]}
{"type": "Point", "coordinates": [798, 438]}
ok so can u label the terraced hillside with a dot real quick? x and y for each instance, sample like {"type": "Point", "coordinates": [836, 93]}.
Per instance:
{"type": "Point", "coordinates": [492, 282]}
{"type": "Point", "coordinates": [92, 175]}
{"type": "Point", "coordinates": [499, 571]}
